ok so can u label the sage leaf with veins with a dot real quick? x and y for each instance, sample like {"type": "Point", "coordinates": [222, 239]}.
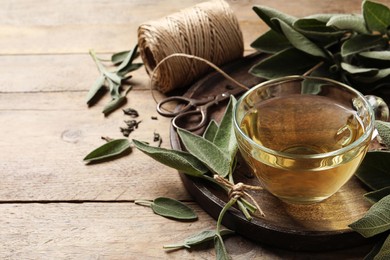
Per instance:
{"type": "Point", "coordinates": [169, 208]}
{"type": "Point", "coordinates": [376, 220]}
{"type": "Point", "coordinates": [108, 150]}
{"type": "Point", "coordinates": [206, 151]}
{"type": "Point", "coordinates": [180, 160]}
{"type": "Point", "coordinates": [225, 138]}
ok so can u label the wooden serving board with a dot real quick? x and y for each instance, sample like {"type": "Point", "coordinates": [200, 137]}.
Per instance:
{"type": "Point", "coordinates": [316, 227]}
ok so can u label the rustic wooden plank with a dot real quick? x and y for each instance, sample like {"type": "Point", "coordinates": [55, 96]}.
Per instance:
{"type": "Point", "coordinates": [74, 27]}
{"type": "Point", "coordinates": [46, 136]}
{"type": "Point", "coordinates": [120, 231]}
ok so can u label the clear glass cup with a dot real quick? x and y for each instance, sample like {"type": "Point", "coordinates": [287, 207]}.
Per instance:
{"type": "Point", "coordinates": [303, 137]}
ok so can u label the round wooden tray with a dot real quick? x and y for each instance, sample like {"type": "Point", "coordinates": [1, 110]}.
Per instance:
{"type": "Point", "coordinates": [316, 227]}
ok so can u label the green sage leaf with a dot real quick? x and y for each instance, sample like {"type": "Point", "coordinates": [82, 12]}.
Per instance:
{"type": "Point", "coordinates": [376, 55]}
{"type": "Point", "coordinates": [284, 63]}
{"type": "Point", "coordinates": [108, 150]}
{"type": "Point", "coordinates": [211, 131]}
{"type": "Point", "coordinates": [321, 17]}
{"type": "Point", "coordinates": [377, 59]}
{"type": "Point", "coordinates": [376, 220]}
{"type": "Point", "coordinates": [299, 41]}
{"type": "Point", "coordinates": [317, 30]}
{"type": "Point", "coordinates": [384, 131]}
{"type": "Point", "coordinates": [199, 238]}
{"type": "Point", "coordinates": [271, 42]}
{"type": "Point", "coordinates": [362, 42]}
{"type": "Point", "coordinates": [171, 208]}
{"type": "Point", "coordinates": [384, 252]}
{"type": "Point", "coordinates": [377, 16]}
{"type": "Point", "coordinates": [179, 160]}
{"type": "Point", "coordinates": [267, 14]}
{"type": "Point", "coordinates": [114, 104]}
{"type": "Point", "coordinates": [119, 57]}
{"type": "Point", "coordinates": [368, 72]}
{"type": "Point", "coordinates": [99, 83]}
{"type": "Point", "coordinates": [374, 170]}
{"type": "Point", "coordinates": [376, 248]}
{"type": "Point", "coordinates": [377, 195]}
{"type": "Point", "coordinates": [348, 22]}
{"type": "Point", "coordinates": [207, 152]}
{"type": "Point", "coordinates": [220, 249]}
{"type": "Point", "coordinates": [225, 138]}
{"type": "Point", "coordinates": [127, 62]}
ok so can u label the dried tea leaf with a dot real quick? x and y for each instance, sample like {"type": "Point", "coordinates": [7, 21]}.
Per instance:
{"type": "Point", "coordinates": [108, 150]}
{"type": "Point", "coordinates": [179, 160]}
{"type": "Point", "coordinates": [171, 208]}
{"type": "Point", "coordinates": [376, 220]}
{"type": "Point", "coordinates": [207, 152]}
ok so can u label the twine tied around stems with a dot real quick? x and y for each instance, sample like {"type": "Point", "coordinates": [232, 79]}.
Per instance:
{"type": "Point", "coordinates": [238, 190]}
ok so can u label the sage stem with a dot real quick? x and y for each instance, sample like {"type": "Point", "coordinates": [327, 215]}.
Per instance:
{"type": "Point", "coordinates": [222, 213]}
{"type": "Point", "coordinates": [146, 203]}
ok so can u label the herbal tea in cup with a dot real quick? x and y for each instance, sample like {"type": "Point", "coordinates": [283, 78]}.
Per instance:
{"type": "Point", "coordinates": [303, 137]}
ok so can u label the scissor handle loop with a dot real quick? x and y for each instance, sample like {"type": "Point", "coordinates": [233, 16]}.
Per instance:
{"type": "Point", "coordinates": [202, 112]}
{"type": "Point", "coordinates": [187, 103]}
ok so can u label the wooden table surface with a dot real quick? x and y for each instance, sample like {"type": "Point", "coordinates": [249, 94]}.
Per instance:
{"type": "Point", "coordinates": [52, 205]}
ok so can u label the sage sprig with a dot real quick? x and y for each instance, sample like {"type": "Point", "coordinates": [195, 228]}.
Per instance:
{"type": "Point", "coordinates": [113, 79]}
{"type": "Point", "coordinates": [352, 48]}
{"type": "Point", "coordinates": [214, 153]}
{"type": "Point", "coordinates": [169, 208]}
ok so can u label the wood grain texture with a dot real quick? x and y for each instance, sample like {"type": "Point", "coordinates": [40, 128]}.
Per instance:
{"type": "Point", "coordinates": [120, 231]}
{"type": "Point", "coordinates": [30, 27]}
{"type": "Point", "coordinates": [46, 129]}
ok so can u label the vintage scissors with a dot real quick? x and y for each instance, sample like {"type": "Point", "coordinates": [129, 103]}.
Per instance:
{"type": "Point", "coordinates": [193, 109]}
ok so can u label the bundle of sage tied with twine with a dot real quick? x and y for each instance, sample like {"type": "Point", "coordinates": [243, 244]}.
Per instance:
{"type": "Point", "coordinates": [208, 32]}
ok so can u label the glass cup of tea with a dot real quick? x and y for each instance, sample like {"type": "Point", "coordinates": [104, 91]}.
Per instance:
{"type": "Point", "coordinates": [303, 137]}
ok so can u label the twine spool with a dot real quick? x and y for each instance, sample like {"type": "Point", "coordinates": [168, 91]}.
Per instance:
{"type": "Point", "coordinates": [208, 30]}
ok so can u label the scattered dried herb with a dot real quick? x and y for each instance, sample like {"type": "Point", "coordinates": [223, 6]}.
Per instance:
{"type": "Point", "coordinates": [157, 138]}
{"type": "Point", "coordinates": [169, 208]}
{"type": "Point", "coordinates": [131, 112]}
{"type": "Point", "coordinates": [131, 125]}
{"type": "Point", "coordinates": [154, 117]}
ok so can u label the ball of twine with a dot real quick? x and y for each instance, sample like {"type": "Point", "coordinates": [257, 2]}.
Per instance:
{"type": "Point", "coordinates": [208, 30]}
